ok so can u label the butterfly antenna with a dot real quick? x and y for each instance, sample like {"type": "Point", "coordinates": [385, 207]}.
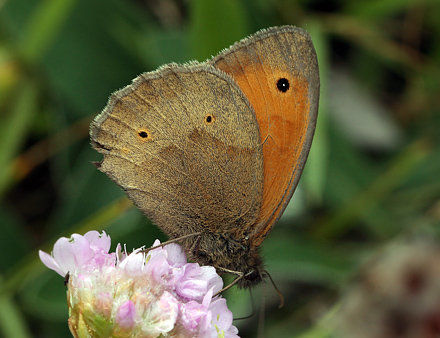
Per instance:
{"type": "Point", "coordinates": [260, 331]}
{"type": "Point", "coordinates": [174, 240]}
{"type": "Point", "coordinates": [277, 290]}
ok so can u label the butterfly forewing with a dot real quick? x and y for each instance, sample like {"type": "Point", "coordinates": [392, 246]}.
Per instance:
{"type": "Point", "coordinates": [277, 70]}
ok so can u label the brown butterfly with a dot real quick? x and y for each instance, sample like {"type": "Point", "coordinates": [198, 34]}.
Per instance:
{"type": "Point", "coordinates": [212, 152]}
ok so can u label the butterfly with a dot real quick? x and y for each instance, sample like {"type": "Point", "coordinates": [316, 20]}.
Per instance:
{"type": "Point", "coordinates": [212, 152]}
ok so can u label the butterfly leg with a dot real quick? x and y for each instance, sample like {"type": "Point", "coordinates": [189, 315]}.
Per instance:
{"type": "Point", "coordinates": [239, 275]}
{"type": "Point", "coordinates": [174, 240]}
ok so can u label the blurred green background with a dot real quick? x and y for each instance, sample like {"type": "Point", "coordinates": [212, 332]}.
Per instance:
{"type": "Point", "coordinates": [373, 174]}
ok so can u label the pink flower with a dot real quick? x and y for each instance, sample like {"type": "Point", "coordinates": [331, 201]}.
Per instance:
{"type": "Point", "coordinates": [78, 253]}
{"type": "Point", "coordinates": [197, 280]}
{"type": "Point", "coordinates": [126, 315]}
{"type": "Point", "coordinates": [138, 294]}
{"type": "Point", "coordinates": [218, 321]}
{"type": "Point", "coordinates": [192, 314]}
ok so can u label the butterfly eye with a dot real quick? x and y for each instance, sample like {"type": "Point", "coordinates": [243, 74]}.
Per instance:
{"type": "Point", "coordinates": [144, 134]}
{"type": "Point", "coordinates": [209, 119]}
{"type": "Point", "coordinates": [283, 85]}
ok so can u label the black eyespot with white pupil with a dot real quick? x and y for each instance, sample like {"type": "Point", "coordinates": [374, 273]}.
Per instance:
{"type": "Point", "coordinates": [283, 85]}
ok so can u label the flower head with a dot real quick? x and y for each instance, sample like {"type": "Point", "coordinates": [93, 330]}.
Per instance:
{"type": "Point", "coordinates": [397, 294]}
{"type": "Point", "coordinates": [138, 294]}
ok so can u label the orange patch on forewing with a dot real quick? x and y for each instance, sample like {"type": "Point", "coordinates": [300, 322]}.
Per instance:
{"type": "Point", "coordinates": [283, 120]}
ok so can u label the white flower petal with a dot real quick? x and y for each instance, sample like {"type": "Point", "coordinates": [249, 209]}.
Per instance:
{"type": "Point", "coordinates": [163, 313]}
{"type": "Point", "coordinates": [50, 262]}
{"type": "Point", "coordinates": [72, 254]}
{"type": "Point", "coordinates": [102, 241]}
{"type": "Point", "coordinates": [133, 264]}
